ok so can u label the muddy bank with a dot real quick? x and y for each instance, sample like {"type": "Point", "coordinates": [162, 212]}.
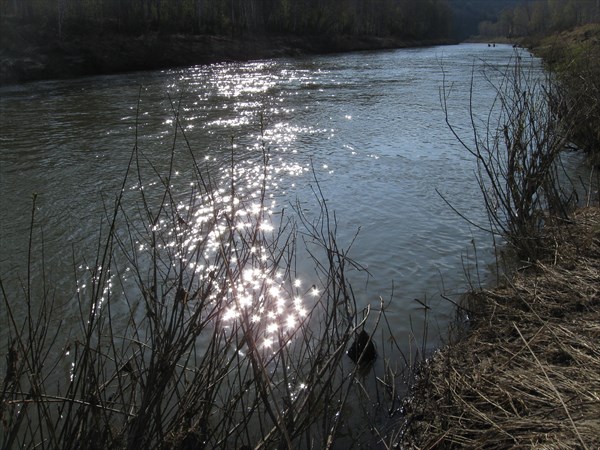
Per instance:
{"type": "Point", "coordinates": [26, 55]}
{"type": "Point", "coordinates": [527, 372]}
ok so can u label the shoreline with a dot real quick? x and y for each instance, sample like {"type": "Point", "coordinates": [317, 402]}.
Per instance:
{"type": "Point", "coordinates": [527, 371]}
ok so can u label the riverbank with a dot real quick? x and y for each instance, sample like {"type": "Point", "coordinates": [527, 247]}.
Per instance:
{"type": "Point", "coordinates": [28, 55]}
{"type": "Point", "coordinates": [527, 371]}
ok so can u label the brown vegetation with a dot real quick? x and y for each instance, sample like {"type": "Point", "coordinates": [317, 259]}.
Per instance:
{"type": "Point", "coordinates": [528, 373]}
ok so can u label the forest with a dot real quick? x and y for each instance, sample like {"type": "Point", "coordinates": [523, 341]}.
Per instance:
{"type": "Point", "coordinates": [408, 18]}
{"type": "Point", "coordinates": [63, 38]}
{"type": "Point", "coordinates": [541, 17]}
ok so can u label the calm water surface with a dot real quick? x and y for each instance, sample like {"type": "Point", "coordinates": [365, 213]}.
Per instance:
{"type": "Point", "coordinates": [370, 124]}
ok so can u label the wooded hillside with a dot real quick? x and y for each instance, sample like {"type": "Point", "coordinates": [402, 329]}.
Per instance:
{"type": "Point", "coordinates": [410, 18]}
{"type": "Point", "coordinates": [535, 17]}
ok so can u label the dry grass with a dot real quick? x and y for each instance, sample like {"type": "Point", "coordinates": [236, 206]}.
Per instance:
{"type": "Point", "coordinates": [527, 373]}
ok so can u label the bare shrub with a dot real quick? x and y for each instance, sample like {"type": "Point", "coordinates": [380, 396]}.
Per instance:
{"type": "Point", "coordinates": [517, 149]}
{"type": "Point", "coordinates": [193, 331]}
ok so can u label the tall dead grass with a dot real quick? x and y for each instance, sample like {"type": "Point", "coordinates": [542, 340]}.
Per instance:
{"type": "Point", "coordinates": [527, 373]}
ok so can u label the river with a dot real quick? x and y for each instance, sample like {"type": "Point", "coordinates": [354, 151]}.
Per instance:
{"type": "Point", "coordinates": [368, 126]}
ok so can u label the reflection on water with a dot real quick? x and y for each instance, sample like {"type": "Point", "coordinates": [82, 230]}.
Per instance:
{"type": "Point", "coordinates": [262, 297]}
{"type": "Point", "coordinates": [209, 239]}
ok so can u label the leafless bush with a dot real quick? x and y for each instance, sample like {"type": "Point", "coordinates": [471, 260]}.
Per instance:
{"type": "Point", "coordinates": [517, 149]}
{"type": "Point", "coordinates": [192, 331]}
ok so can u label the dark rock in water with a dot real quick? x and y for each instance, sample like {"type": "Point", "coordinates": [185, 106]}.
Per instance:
{"type": "Point", "coordinates": [362, 351]}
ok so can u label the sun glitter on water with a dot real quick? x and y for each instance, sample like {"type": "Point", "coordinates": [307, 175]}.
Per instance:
{"type": "Point", "coordinates": [267, 301]}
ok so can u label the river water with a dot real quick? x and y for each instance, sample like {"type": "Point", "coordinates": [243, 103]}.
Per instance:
{"type": "Point", "coordinates": [369, 125]}
{"type": "Point", "coordinates": [367, 129]}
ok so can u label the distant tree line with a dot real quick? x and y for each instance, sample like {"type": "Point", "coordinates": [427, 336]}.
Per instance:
{"type": "Point", "coordinates": [468, 14]}
{"type": "Point", "coordinates": [408, 18]}
{"type": "Point", "coordinates": [531, 17]}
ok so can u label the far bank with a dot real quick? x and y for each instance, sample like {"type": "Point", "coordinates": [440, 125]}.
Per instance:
{"type": "Point", "coordinates": [26, 56]}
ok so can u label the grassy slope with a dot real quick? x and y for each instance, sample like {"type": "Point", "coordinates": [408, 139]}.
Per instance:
{"type": "Point", "coordinates": [558, 50]}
